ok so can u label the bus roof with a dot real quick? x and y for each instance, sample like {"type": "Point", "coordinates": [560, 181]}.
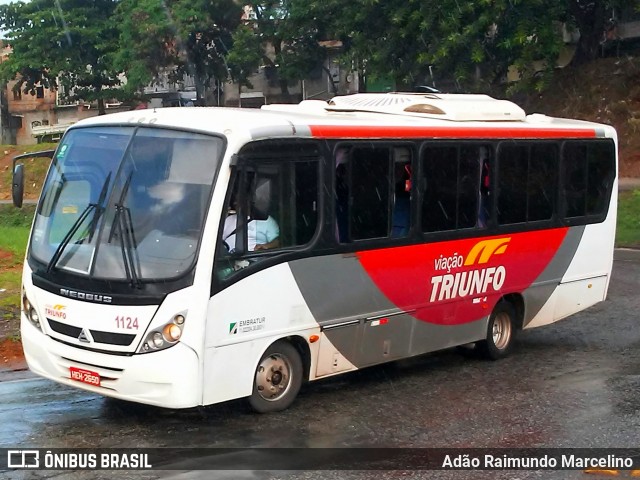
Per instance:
{"type": "Point", "coordinates": [391, 115]}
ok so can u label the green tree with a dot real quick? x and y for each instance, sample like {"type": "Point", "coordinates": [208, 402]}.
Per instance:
{"type": "Point", "coordinates": [590, 18]}
{"type": "Point", "coordinates": [181, 37]}
{"type": "Point", "coordinates": [270, 15]}
{"type": "Point", "coordinates": [480, 41]}
{"type": "Point", "coordinates": [244, 57]}
{"type": "Point", "coordinates": [146, 42]}
{"type": "Point", "coordinates": [301, 51]}
{"type": "Point", "coordinates": [473, 42]}
{"type": "Point", "coordinates": [62, 42]}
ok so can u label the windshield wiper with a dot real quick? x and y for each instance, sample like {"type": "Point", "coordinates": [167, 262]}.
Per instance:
{"type": "Point", "coordinates": [99, 208]}
{"type": "Point", "coordinates": [119, 206]}
{"type": "Point", "coordinates": [78, 223]}
{"type": "Point", "coordinates": [128, 244]}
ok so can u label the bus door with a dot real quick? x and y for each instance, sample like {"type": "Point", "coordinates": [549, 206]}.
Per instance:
{"type": "Point", "coordinates": [373, 189]}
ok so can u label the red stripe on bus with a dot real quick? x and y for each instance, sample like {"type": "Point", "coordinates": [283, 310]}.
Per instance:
{"type": "Point", "coordinates": [368, 131]}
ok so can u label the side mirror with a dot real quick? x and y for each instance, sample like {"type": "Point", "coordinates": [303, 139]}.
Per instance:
{"type": "Point", "coordinates": [17, 185]}
{"type": "Point", "coordinates": [17, 182]}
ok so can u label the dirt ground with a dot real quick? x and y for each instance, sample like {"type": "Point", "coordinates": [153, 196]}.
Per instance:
{"type": "Point", "coordinates": [605, 91]}
{"type": "Point", "coordinates": [11, 355]}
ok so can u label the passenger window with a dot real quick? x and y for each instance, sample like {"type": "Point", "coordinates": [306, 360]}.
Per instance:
{"type": "Point", "coordinates": [513, 164]}
{"type": "Point", "coordinates": [588, 172]}
{"type": "Point", "coordinates": [600, 177]}
{"type": "Point", "coordinates": [370, 180]}
{"type": "Point", "coordinates": [574, 185]}
{"type": "Point", "coordinates": [402, 181]}
{"type": "Point", "coordinates": [372, 192]}
{"type": "Point", "coordinates": [455, 192]}
{"type": "Point", "coordinates": [527, 182]}
{"type": "Point", "coordinates": [542, 183]}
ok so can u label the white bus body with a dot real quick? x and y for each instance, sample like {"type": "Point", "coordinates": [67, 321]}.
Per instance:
{"type": "Point", "coordinates": [406, 224]}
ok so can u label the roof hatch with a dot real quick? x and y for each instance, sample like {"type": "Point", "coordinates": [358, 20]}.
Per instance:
{"type": "Point", "coordinates": [456, 107]}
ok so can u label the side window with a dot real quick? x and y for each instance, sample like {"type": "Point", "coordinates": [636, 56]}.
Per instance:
{"type": "Point", "coordinates": [273, 204]}
{"type": "Point", "coordinates": [513, 163]}
{"type": "Point", "coordinates": [439, 205]}
{"type": "Point", "coordinates": [542, 182]}
{"type": "Point", "coordinates": [469, 185]}
{"type": "Point", "coordinates": [372, 192]}
{"type": "Point", "coordinates": [588, 172]}
{"type": "Point", "coordinates": [527, 182]}
{"type": "Point", "coordinates": [402, 181]}
{"type": "Point", "coordinates": [600, 177]}
{"type": "Point", "coordinates": [280, 202]}
{"type": "Point", "coordinates": [574, 180]}
{"type": "Point", "coordinates": [456, 190]}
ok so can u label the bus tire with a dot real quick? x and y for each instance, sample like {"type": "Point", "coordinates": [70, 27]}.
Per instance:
{"type": "Point", "coordinates": [500, 332]}
{"type": "Point", "coordinates": [277, 379]}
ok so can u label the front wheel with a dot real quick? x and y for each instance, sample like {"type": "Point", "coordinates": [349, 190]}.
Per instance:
{"type": "Point", "coordinates": [500, 332]}
{"type": "Point", "coordinates": [277, 379]}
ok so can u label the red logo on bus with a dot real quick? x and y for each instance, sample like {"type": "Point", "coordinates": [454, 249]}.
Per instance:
{"type": "Point", "coordinates": [438, 281]}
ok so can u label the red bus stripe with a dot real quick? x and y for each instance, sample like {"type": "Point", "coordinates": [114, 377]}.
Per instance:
{"type": "Point", "coordinates": [369, 131]}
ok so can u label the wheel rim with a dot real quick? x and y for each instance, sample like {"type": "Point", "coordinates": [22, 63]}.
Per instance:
{"type": "Point", "coordinates": [273, 377]}
{"type": "Point", "coordinates": [501, 330]}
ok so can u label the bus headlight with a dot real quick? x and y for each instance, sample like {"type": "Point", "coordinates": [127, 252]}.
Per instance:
{"type": "Point", "coordinates": [172, 332]}
{"type": "Point", "coordinates": [157, 340]}
{"type": "Point", "coordinates": [30, 312]}
{"type": "Point", "coordinates": [165, 336]}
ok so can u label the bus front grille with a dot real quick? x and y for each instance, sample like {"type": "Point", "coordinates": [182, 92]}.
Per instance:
{"type": "Point", "coordinates": [108, 338]}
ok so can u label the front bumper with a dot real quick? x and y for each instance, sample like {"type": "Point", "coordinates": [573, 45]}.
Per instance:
{"type": "Point", "coordinates": [168, 378]}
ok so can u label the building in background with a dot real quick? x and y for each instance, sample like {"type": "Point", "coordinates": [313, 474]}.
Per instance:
{"type": "Point", "coordinates": [167, 93]}
{"type": "Point", "coordinates": [29, 119]}
{"type": "Point", "coordinates": [322, 83]}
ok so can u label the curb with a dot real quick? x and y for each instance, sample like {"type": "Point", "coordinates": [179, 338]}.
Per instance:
{"type": "Point", "coordinates": [626, 184]}
{"type": "Point", "coordinates": [626, 254]}
{"type": "Point", "coordinates": [18, 374]}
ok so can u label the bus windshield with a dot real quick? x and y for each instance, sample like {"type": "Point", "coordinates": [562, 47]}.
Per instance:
{"type": "Point", "coordinates": [121, 203]}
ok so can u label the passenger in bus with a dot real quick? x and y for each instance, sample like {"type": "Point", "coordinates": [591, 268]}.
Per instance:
{"type": "Point", "coordinates": [485, 188]}
{"type": "Point", "coordinates": [402, 200]}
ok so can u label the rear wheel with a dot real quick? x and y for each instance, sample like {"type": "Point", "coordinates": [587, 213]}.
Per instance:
{"type": "Point", "coordinates": [500, 332]}
{"type": "Point", "coordinates": [277, 379]}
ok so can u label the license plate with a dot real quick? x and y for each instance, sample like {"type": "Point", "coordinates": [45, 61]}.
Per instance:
{"type": "Point", "coordinates": [84, 376]}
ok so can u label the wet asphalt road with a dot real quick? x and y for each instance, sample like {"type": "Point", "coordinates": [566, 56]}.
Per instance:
{"type": "Point", "coordinates": [573, 384]}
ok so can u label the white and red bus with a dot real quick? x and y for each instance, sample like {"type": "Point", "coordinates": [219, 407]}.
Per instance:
{"type": "Point", "coordinates": [188, 256]}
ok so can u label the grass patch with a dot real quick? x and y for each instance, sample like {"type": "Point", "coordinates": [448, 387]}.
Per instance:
{"type": "Point", "coordinates": [15, 224]}
{"type": "Point", "coordinates": [10, 282]}
{"type": "Point", "coordinates": [30, 148]}
{"type": "Point", "coordinates": [13, 244]}
{"type": "Point", "coordinates": [11, 216]}
{"type": "Point", "coordinates": [628, 228]}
